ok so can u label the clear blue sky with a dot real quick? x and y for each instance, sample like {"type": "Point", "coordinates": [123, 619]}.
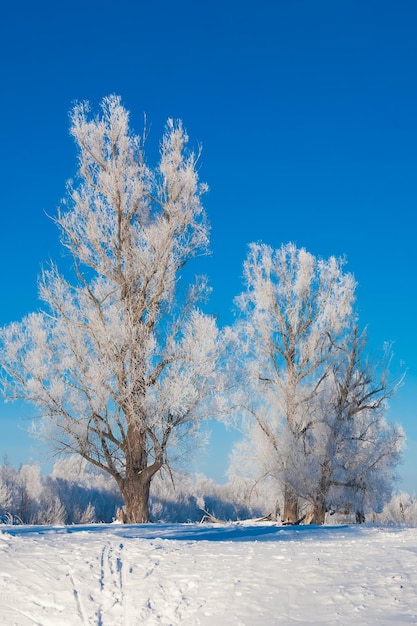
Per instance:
{"type": "Point", "coordinates": [307, 113]}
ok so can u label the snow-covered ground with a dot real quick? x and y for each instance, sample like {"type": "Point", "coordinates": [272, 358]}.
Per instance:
{"type": "Point", "coordinates": [246, 574]}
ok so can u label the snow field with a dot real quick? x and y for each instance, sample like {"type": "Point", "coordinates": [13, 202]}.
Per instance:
{"type": "Point", "coordinates": [246, 575]}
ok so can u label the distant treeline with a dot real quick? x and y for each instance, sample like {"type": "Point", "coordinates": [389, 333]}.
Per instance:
{"type": "Point", "coordinates": [76, 493]}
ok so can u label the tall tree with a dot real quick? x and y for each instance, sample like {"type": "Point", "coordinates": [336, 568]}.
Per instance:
{"type": "Point", "coordinates": [294, 308]}
{"type": "Point", "coordinates": [120, 370]}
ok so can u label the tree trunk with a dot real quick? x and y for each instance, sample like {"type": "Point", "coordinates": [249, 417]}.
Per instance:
{"type": "Point", "coordinates": [319, 506]}
{"type": "Point", "coordinates": [291, 507]}
{"type": "Point", "coordinates": [135, 491]}
{"type": "Point", "coordinates": [360, 517]}
{"type": "Point", "coordinates": [319, 513]}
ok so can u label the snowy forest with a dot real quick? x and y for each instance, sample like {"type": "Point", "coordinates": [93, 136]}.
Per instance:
{"type": "Point", "coordinates": [123, 365]}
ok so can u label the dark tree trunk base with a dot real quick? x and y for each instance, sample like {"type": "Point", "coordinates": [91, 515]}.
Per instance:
{"type": "Point", "coordinates": [291, 508]}
{"type": "Point", "coordinates": [135, 492]}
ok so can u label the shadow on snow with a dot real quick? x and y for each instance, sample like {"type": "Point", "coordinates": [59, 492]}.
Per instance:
{"type": "Point", "coordinates": [193, 532]}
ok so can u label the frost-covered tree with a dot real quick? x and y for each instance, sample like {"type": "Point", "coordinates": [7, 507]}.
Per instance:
{"type": "Point", "coordinates": [400, 510]}
{"type": "Point", "coordinates": [350, 450]}
{"type": "Point", "coordinates": [294, 309]}
{"type": "Point", "coordinates": [6, 490]}
{"type": "Point", "coordinates": [119, 367]}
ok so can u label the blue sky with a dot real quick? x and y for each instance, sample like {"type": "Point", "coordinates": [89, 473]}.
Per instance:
{"type": "Point", "coordinates": [307, 114]}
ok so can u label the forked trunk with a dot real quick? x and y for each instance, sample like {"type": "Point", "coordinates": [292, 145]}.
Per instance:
{"type": "Point", "coordinates": [291, 507]}
{"type": "Point", "coordinates": [319, 506]}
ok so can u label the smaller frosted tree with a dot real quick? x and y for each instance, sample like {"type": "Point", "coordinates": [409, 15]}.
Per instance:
{"type": "Point", "coordinates": [313, 405]}
{"type": "Point", "coordinates": [294, 308]}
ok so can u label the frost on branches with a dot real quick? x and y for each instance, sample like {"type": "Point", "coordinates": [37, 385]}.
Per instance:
{"type": "Point", "coordinates": [120, 371]}
{"type": "Point", "coordinates": [312, 406]}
